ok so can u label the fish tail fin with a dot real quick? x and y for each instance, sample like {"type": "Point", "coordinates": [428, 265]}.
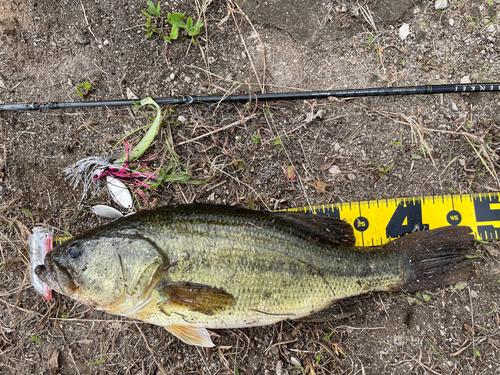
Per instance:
{"type": "Point", "coordinates": [433, 254]}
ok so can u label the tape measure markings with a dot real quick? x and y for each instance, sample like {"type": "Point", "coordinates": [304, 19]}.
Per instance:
{"type": "Point", "coordinates": [376, 223]}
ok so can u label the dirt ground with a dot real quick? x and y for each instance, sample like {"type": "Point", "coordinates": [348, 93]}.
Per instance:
{"type": "Point", "coordinates": [48, 49]}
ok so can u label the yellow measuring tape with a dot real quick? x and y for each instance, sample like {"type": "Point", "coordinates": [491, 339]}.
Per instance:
{"type": "Point", "coordinates": [377, 222]}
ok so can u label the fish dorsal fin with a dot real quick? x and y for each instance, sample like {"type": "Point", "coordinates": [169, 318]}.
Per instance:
{"type": "Point", "coordinates": [191, 335]}
{"type": "Point", "coordinates": [324, 228]}
{"type": "Point", "coordinates": [196, 297]}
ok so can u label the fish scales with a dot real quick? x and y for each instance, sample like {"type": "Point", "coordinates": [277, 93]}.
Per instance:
{"type": "Point", "coordinates": [192, 267]}
{"type": "Point", "coordinates": [272, 273]}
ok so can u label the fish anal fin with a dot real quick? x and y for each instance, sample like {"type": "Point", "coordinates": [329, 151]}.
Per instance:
{"type": "Point", "coordinates": [324, 228]}
{"type": "Point", "coordinates": [191, 335]}
{"type": "Point", "coordinates": [196, 297]}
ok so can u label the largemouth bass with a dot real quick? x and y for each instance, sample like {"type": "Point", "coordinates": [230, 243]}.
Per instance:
{"type": "Point", "coordinates": [193, 267]}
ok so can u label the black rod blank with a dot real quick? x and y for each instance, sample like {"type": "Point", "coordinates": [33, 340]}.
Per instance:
{"type": "Point", "coordinates": [186, 99]}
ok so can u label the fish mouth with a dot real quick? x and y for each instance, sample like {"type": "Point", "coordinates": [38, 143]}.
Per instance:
{"type": "Point", "coordinates": [56, 276]}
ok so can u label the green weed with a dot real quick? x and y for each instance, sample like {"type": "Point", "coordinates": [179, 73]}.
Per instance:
{"type": "Point", "coordinates": [176, 21]}
{"type": "Point", "coordinates": [84, 89]}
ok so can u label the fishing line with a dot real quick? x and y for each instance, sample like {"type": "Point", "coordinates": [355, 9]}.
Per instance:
{"type": "Point", "coordinates": [188, 99]}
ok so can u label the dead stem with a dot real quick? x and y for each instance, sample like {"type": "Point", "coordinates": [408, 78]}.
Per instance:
{"type": "Point", "coordinates": [240, 121]}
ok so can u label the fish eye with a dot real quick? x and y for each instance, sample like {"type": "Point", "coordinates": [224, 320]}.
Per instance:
{"type": "Point", "coordinates": [74, 252]}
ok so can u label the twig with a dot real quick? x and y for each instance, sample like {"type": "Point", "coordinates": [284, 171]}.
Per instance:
{"type": "Point", "coordinates": [472, 326]}
{"type": "Point", "coordinates": [88, 24]}
{"type": "Point", "coordinates": [248, 186]}
{"type": "Point", "coordinates": [241, 121]}
{"type": "Point", "coordinates": [358, 328]}
{"type": "Point", "coordinates": [69, 350]}
{"type": "Point", "coordinates": [492, 172]}
{"type": "Point", "coordinates": [278, 343]}
{"type": "Point", "coordinates": [146, 341]}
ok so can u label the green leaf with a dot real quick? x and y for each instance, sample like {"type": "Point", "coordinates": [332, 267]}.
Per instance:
{"type": "Point", "coordinates": [27, 212]}
{"type": "Point", "coordinates": [177, 19]}
{"type": "Point", "coordinates": [437, 351]}
{"type": "Point", "coordinates": [155, 11]}
{"type": "Point", "coordinates": [146, 14]}
{"type": "Point", "coordinates": [426, 297]}
{"type": "Point", "coordinates": [251, 204]}
{"type": "Point", "coordinates": [36, 339]}
{"type": "Point", "coordinates": [255, 138]}
{"type": "Point", "coordinates": [195, 30]}
{"type": "Point", "coordinates": [99, 362]}
{"type": "Point", "coordinates": [177, 177]}
{"type": "Point", "coordinates": [389, 167]}
{"type": "Point", "coordinates": [472, 256]}
{"type": "Point", "coordinates": [174, 33]}
{"type": "Point", "coordinates": [161, 176]}
{"type": "Point", "coordinates": [396, 143]}
{"type": "Point", "coordinates": [189, 23]}
{"type": "Point", "coordinates": [195, 182]}
{"type": "Point", "coordinates": [461, 285]}
{"type": "Point", "coordinates": [146, 141]}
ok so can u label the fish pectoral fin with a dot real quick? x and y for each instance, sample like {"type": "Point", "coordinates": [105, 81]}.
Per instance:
{"type": "Point", "coordinates": [191, 335]}
{"type": "Point", "coordinates": [196, 297]}
{"type": "Point", "coordinates": [324, 228]}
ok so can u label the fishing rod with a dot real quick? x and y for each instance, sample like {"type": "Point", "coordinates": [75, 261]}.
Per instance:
{"type": "Point", "coordinates": [187, 99]}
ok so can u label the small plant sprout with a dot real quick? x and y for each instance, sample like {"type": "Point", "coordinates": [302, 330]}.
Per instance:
{"type": "Point", "coordinates": [154, 23]}
{"type": "Point", "coordinates": [255, 139]}
{"type": "Point", "coordinates": [382, 171]}
{"type": "Point", "coordinates": [83, 89]}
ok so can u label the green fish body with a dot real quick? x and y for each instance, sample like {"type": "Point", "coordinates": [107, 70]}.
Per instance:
{"type": "Point", "coordinates": [192, 267]}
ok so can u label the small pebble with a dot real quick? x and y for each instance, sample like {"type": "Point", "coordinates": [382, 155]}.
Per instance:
{"type": "Point", "coordinates": [182, 119]}
{"type": "Point", "coordinates": [172, 76]}
{"type": "Point", "coordinates": [441, 4]}
{"type": "Point", "coordinates": [465, 80]}
{"type": "Point", "coordinates": [106, 42]}
{"type": "Point", "coordinates": [295, 362]}
{"type": "Point", "coordinates": [335, 170]}
{"type": "Point", "coordinates": [81, 39]}
{"type": "Point", "coordinates": [404, 31]}
{"type": "Point", "coordinates": [451, 21]}
{"type": "Point", "coordinates": [454, 107]}
{"type": "Point", "coordinates": [351, 176]}
{"type": "Point", "coordinates": [187, 79]}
